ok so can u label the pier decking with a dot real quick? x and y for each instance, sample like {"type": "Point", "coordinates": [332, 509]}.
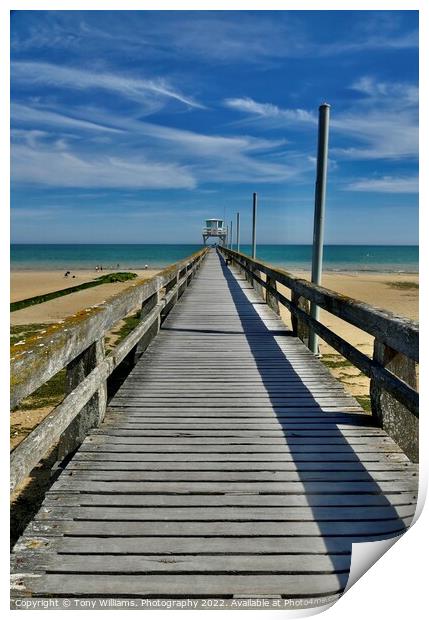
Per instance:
{"type": "Point", "coordinates": [230, 463]}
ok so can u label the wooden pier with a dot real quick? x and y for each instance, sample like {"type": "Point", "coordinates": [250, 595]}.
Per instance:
{"type": "Point", "coordinates": [230, 463]}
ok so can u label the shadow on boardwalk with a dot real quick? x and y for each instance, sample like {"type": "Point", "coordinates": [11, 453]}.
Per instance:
{"type": "Point", "coordinates": [338, 473]}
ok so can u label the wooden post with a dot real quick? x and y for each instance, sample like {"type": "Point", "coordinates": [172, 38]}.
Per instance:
{"type": "Point", "coordinates": [393, 417]}
{"type": "Point", "coordinates": [92, 414]}
{"type": "Point", "coordinates": [299, 328]}
{"type": "Point", "coordinates": [182, 287]}
{"type": "Point", "coordinates": [173, 283]}
{"type": "Point", "coordinates": [269, 298]}
{"type": "Point", "coordinates": [148, 305]}
{"type": "Point", "coordinates": [188, 275]}
{"type": "Point", "coordinates": [248, 272]}
{"type": "Point", "coordinates": [259, 289]}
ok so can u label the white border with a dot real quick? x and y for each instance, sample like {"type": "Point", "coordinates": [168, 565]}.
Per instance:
{"type": "Point", "coordinates": [395, 586]}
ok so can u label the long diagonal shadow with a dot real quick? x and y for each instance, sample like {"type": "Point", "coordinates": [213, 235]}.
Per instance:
{"type": "Point", "coordinates": [331, 473]}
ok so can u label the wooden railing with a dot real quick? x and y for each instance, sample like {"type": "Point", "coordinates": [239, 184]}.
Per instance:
{"type": "Point", "coordinates": [393, 367]}
{"type": "Point", "coordinates": [78, 345]}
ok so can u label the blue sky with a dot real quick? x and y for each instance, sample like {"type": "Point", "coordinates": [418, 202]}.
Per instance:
{"type": "Point", "coordinates": [133, 127]}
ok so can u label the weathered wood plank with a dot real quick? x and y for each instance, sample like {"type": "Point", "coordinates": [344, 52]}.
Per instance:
{"type": "Point", "coordinates": [165, 585]}
{"type": "Point", "coordinates": [100, 486]}
{"type": "Point", "coordinates": [179, 564]}
{"type": "Point", "coordinates": [101, 538]}
{"type": "Point", "coordinates": [232, 499]}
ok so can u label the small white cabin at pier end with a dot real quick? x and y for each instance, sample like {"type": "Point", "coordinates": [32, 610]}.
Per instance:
{"type": "Point", "coordinates": [215, 228]}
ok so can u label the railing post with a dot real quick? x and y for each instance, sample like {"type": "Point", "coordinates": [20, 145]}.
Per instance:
{"type": "Point", "coordinates": [393, 417]}
{"type": "Point", "coordinates": [259, 289]}
{"type": "Point", "coordinates": [182, 286]}
{"type": "Point", "coordinates": [248, 272]}
{"type": "Point", "coordinates": [270, 299]}
{"type": "Point", "coordinates": [189, 275]}
{"type": "Point", "coordinates": [299, 328]}
{"type": "Point", "coordinates": [171, 303]}
{"type": "Point", "coordinates": [92, 414]}
{"type": "Point", "coordinates": [148, 305]}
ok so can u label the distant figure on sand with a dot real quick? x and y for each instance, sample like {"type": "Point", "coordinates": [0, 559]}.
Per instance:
{"type": "Point", "coordinates": [146, 266]}
{"type": "Point", "coordinates": [67, 273]}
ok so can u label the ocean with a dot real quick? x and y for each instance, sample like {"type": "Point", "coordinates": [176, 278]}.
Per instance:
{"type": "Point", "coordinates": [376, 258]}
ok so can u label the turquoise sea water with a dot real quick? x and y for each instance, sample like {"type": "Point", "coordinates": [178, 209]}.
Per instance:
{"type": "Point", "coordinates": [387, 258]}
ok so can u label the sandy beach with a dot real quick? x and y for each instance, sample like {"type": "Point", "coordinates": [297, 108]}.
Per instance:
{"type": "Point", "coordinates": [398, 293]}
{"type": "Point", "coordinates": [25, 284]}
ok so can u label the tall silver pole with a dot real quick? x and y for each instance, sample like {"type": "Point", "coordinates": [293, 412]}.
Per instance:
{"type": "Point", "coordinates": [238, 232]}
{"type": "Point", "coordinates": [255, 206]}
{"type": "Point", "coordinates": [319, 214]}
{"type": "Point", "coordinates": [226, 240]}
{"type": "Point", "coordinates": [230, 237]}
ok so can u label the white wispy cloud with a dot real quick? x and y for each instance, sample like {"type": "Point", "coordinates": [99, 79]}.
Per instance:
{"type": "Point", "coordinates": [380, 136]}
{"type": "Point", "coordinates": [269, 111]}
{"type": "Point", "coordinates": [384, 126]}
{"type": "Point", "coordinates": [38, 116]}
{"type": "Point", "coordinates": [55, 168]}
{"type": "Point", "coordinates": [386, 184]}
{"type": "Point", "coordinates": [398, 93]}
{"type": "Point", "coordinates": [220, 37]}
{"type": "Point", "coordinates": [239, 37]}
{"type": "Point", "coordinates": [136, 89]}
{"type": "Point", "coordinates": [183, 158]}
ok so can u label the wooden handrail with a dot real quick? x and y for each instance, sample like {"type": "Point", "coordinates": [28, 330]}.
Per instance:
{"type": "Point", "coordinates": [77, 339]}
{"type": "Point", "coordinates": [40, 357]}
{"type": "Point", "coordinates": [392, 369]}
{"type": "Point", "coordinates": [398, 332]}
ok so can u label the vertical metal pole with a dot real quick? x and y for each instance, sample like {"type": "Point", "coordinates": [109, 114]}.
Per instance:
{"type": "Point", "coordinates": [226, 239]}
{"type": "Point", "coordinates": [255, 206]}
{"type": "Point", "coordinates": [319, 214]}
{"type": "Point", "coordinates": [238, 232]}
{"type": "Point", "coordinates": [230, 237]}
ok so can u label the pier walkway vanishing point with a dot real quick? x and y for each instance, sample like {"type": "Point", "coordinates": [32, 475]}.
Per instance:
{"type": "Point", "coordinates": [230, 463]}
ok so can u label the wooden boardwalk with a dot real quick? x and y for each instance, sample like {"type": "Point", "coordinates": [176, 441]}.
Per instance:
{"type": "Point", "coordinates": [230, 463]}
